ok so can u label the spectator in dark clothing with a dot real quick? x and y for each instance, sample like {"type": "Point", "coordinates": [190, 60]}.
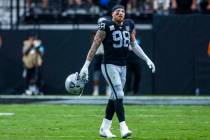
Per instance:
{"type": "Point", "coordinates": [184, 6]}
{"type": "Point", "coordinates": [204, 6]}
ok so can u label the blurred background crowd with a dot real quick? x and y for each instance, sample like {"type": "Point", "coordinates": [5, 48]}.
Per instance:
{"type": "Point", "coordinates": [60, 11]}
{"type": "Point", "coordinates": [102, 6]}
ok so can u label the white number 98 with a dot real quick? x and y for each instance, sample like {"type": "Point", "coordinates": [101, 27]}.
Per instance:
{"type": "Point", "coordinates": [121, 38]}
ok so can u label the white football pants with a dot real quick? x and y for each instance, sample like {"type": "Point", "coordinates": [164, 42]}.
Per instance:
{"type": "Point", "coordinates": [115, 77]}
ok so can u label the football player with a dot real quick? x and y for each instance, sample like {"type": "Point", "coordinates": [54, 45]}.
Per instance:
{"type": "Point", "coordinates": [116, 35]}
{"type": "Point", "coordinates": [97, 67]}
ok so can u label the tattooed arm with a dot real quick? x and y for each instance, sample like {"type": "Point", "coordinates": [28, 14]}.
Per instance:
{"type": "Point", "coordinates": [99, 37]}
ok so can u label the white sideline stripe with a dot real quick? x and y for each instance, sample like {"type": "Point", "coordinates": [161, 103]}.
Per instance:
{"type": "Point", "coordinates": [73, 27]}
{"type": "Point", "coordinates": [69, 97]}
{"type": "Point", "coordinates": [90, 100]}
{"type": "Point", "coordinates": [6, 114]}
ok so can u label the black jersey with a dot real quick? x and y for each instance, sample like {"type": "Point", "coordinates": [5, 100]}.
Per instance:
{"type": "Point", "coordinates": [116, 41]}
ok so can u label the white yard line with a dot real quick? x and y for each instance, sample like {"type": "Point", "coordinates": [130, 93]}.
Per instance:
{"type": "Point", "coordinates": [7, 113]}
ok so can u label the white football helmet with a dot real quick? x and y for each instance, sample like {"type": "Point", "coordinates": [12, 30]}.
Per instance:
{"type": "Point", "coordinates": [74, 84]}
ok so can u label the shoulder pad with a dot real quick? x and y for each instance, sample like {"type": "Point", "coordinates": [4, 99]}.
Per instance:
{"type": "Point", "coordinates": [102, 25]}
{"type": "Point", "coordinates": [130, 23]}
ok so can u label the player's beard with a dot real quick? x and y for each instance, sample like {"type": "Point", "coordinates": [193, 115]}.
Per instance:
{"type": "Point", "coordinates": [119, 19]}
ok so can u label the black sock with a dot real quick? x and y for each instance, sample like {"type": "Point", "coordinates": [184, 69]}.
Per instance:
{"type": "Point", "coordinates": [110, 109]}
{"type": "Point", "coordinates": [119, 108]}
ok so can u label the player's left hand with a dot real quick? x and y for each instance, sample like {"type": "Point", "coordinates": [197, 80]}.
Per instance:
{"type": "Point", "coordinates": [151, 65]}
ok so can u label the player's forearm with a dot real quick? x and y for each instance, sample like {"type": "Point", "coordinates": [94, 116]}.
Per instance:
{"type": "Point", "coordinates": [138, 51]}
{"type": "Point", "coordinates": [100, 35]}
{"type": "Point", "coordinates": [90, 55]}
{"type": "Point", "coordinates": [93, 50]}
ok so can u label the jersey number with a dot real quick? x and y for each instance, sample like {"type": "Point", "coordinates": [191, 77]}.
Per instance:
{"type": "Point", "coordinates": [101, 26]}
{"type": "Point", "coordinates": [121, 39]}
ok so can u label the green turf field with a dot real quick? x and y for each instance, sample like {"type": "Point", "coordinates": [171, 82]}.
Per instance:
{"type": "Point", "coordinates": [82, 122]}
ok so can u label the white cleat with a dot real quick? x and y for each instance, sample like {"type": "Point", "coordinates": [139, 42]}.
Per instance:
{"type": "Point", "coordinates": [95, 93]}
{"type": "Point", "coordinates": [106, 133]}
{"type": "Point", "coordinates": [125, 133]}
{"type": "Point", "coordinates": [28, 92]}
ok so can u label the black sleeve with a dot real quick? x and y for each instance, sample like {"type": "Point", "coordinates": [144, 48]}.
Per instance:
{"type": "Point", "coordinates": [132, 25]}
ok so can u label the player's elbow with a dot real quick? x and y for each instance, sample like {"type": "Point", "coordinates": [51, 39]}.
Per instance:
{"type": "Point", "coordinates": [134, 44]}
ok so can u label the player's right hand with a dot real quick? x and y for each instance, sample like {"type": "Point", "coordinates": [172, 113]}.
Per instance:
{"type": "Point", "coordinates": [84, 73]}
